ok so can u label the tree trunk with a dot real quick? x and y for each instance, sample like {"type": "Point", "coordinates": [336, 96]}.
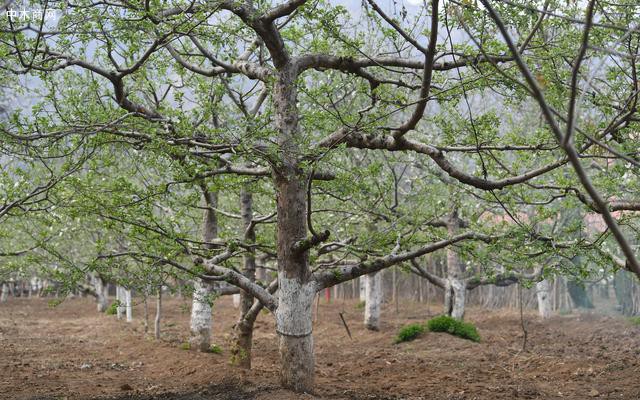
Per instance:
{"type": "Point", "coordinates": [455, 290]}
{"type": "Point", "coordinates": [201, 323]}
{"type": "Point", "coordinates": [244, 327]}
{"type": "Point", "coordinates": [156, 325]}
{"type": "Point", "coordinates": [459, 289]}
{"type": "Point", "coordinates": [101, 293]}
{"type": "Point", "coordinates": [373, 300]}
{"type": "Point", "coordinates": [146, 311]}
{"type": "Point", "coordinates": [235, 299]}
{"type": "Point", "coordinates": [296, 289]}
{"type": "Point", "coordinates": [201, 319]}
{"type": "Point", "coordinates": [120, 300]}
{"type": "Point", "coordinates": [394, 293]}
{"type": "Point", "coordinates": [4, 295]}
{"type": "Point", "coordinates": [128, 305]}
{"type": "Point", "coordinates": [362, 284]}
{"type": "Point", "coordinates": [543, 289]}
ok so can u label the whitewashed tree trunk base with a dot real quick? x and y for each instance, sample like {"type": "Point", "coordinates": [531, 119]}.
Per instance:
{"type": "Point", "coordinates": [4, 295]}
{"type": "Point", "coordinates": [543, 293]}
{"type": "Point", "coordinates": [201, 320]}
{"type": "Point", "coordinates": [373, 300]}
{"type": "Point", "coordinates": [102, 300]}
{"type": "Point", "coordinates": [120, 309]}
{"type": "Point", "coordinates": [459, 299]}
{"type": "Point", "coordinates": [236, 300]}
{"type": "Point", "coordinates": [128, 306]}
{"type": "Point", "coordinates": [294, 325]}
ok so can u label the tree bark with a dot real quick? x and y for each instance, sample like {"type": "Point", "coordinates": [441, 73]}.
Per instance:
{"type": "Point", "coordinates": [543, 290]}
{"type": "Point", "coordinates": [128, 305]}
{"type": "Point", "coordinates": [156, 325]}
{"type": "Point", "coordinates": [362, 283]}
{"type": "Point", "coordinates": [120, 309]}
{"type": "Point", "coordinates": [244, 327]}
{"type": "Point", "coordinates": [296, 289]}
{"type": "Point", "coordinates": [100, 288]}
{"type": "Point", "coordinates": [201, 318]}
{"type": "Point", "coordinates": [200, 325]}
{"type": "Point", "coordinates": [4, 295]}
{"type": "Point", "coordinates": [455, 290]}
{"type": "Point", "coordinates": [373, 300]}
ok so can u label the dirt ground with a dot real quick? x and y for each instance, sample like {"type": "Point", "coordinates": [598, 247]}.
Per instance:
{"type": "Point", "coordinates": [72, 352]}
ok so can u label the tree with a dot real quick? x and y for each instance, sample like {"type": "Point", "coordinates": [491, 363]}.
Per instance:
{"type": "Point", "coordinates": [297, 110]}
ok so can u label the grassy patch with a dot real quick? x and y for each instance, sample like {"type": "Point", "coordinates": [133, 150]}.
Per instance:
{"type": "Point", "coordinates": [113, 309]}
{"type": "Point", "coordinates": [409, 332]}
{"type": "Point", "coordinates": [185, 346]}
{"type": "Point", "coordinates": [635, 320]}
{"type": "Point", "coordinates": [360, 305]}
{"type": "Point", "coordinates": [215, 349]}
{"type": "Point", "coordinates": [454, 327]}
{"type": "Point", "coordinates": [54, 303]}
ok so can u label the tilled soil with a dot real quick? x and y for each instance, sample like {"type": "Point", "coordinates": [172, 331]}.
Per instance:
{"type": "Point", "coordinates": [71, 352]}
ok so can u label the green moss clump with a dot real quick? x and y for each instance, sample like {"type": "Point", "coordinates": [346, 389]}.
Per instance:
{"type": "Point", "coordinates": [360, 305]}
{"type": "Point", "coordinates": [409, 332]}
{"type": "Point", "coordinates": [454, 327]}
{"type": "Point", "coordinates": [215, 349]}
{"type": "Point", "coordinates": [113, 309]}
{"type": "Point", "coordinates": [185, 346]}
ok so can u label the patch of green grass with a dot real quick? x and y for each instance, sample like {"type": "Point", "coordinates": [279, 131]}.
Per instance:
{"type": "Point", "coordinates": [360, 305]}
{"type": "Point", "coordinates": [185, 346]}
{"type": "Point", "coordinates": [215, 349]}
{"type": "Point", "coordinates": [113, 308]}
{"type": "Point", "coordinates": [409, 332]}
{"type": "Point", "coordinates": [635, 320]}
{"type": "Point", "coordinates": [54, 303]}
{"type": "Point", "coordinates": [444, 323]}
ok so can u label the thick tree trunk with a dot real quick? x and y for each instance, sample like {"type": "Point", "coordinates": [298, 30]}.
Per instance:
{"type": "Point", "coordinates": [200, 338]}
{"type": "Point", "coordinates": [201, 319]}
{"type": "Point", "coordinates": [456, 288]}
{"type": "Point", "coordinates": [101, 293]}
{"type": "Point", "coordinates": [373, 300]}
{"type": "Point", "coordinates": [543, 292]}
{"type": "Point", "coordinates": [459, 289]}
{"type": "Point", "coordinates": [296, 289]}
{"type": "Point", "coordinates": [294, 325]}
{"type": "Point", "coordinates": [244, 327]}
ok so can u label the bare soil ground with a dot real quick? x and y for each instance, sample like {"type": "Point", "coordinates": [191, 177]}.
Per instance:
{"type": "Point", "coordinates": [72, 352]}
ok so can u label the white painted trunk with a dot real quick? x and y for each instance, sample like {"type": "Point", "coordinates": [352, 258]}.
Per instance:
{"type": "Point", "coordinates": [294, 327]}
{"type": "Point", "coordinates": [543, 292]}
{"type": "Point", "coordinates": [4, 295]}
{"type": "Point", "coordinates": [201, 320]}
{"type": "Point", "coordinates": [373, 300]}
{"type": "Point", "coordinates": [120, 309]}
{"type": "Point", "coordinates": [101, 293]}
{"type": "Point", "coordinates": [459, 299]}
{"type": "Point", "coordinates": [156, 323]}
{"type": "Point", "coordinates": [448, 297]}
{"type": "Point", "coordinates": [236, 300]}
{"type": "Point", "coordinates": [362, 284]}
{"type": "Point", "coordinates": [127, 304]}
